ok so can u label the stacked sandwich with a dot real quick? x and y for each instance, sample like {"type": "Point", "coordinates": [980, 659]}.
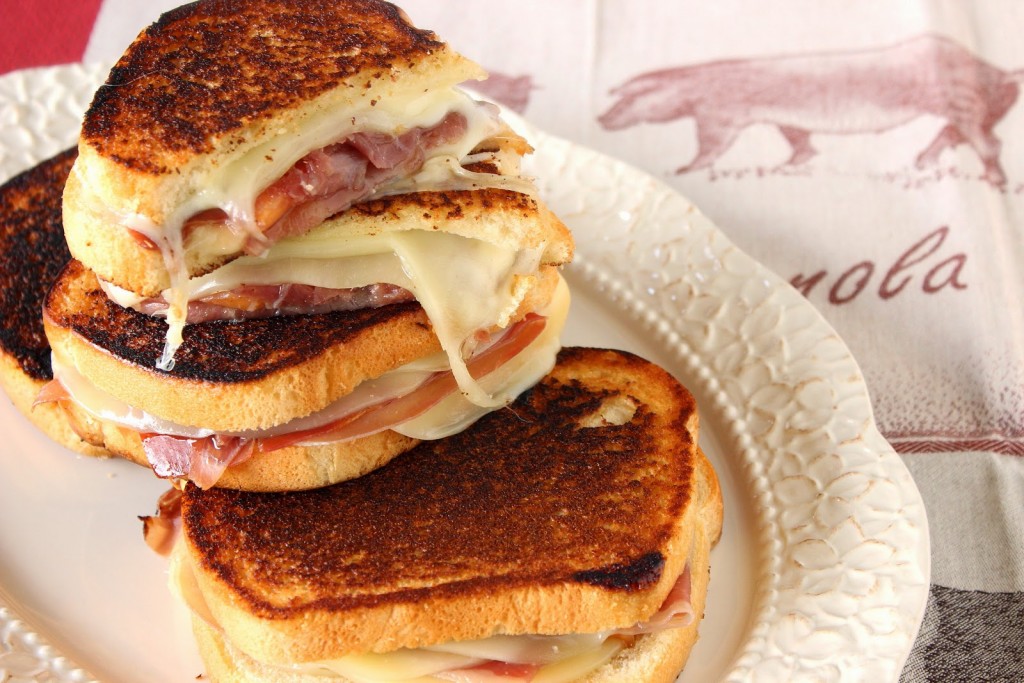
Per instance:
{"type": "Point", "coordinates": [300, 252]}
{"type": "Point", "coordinates": [300, 248]}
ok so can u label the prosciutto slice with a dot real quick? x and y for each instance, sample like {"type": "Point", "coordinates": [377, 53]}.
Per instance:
{"type": "Point", "coordinates": [675, 612]}
{"type": "Point", "coordinates": [264, 301]}
{"type": "Point", "coordinates": [160, 530]}
{"type": "Point", "coordinates": [491, 672]}
{"type": "Point", "coordinates": [201, 460]}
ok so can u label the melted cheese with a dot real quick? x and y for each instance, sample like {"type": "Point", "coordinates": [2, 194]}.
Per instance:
{"type": "Point", "coordinates": [565, 658]}
{"type": "Point", "coordinates": [464, 286]}
{"type": "Point", "coordinates": [458, 411]}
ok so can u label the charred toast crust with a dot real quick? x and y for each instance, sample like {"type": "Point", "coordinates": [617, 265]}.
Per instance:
{"type": "Point", "coordinates": [220, 352]}
{"type": "Point", "coordinates": [32, 253]}
{"type": "Point", "coordinates": [232, 62]}
{"type": "Point", "coordinates": [636, 575]}
{"type": "Point", "coordinates": [595, 506]}
{"type": "Point", "coordinates": [449, 205]}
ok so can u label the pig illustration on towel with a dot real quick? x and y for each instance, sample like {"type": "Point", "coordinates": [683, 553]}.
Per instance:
{"type": "Point", "coordinates": [841, 93]}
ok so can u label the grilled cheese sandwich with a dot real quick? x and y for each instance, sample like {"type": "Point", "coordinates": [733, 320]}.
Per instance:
{"type": "Point", "coordinates": [566, 539]}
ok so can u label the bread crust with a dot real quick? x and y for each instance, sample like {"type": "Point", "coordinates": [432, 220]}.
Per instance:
{"type": "Point", "coordinates": [508, 219]}
{"type": "Point", "coordinates": [609, 511]}
{"type": "Point", "coordinates": [48, 417]}
{"type": "Point", "coordinates": [32, 252]}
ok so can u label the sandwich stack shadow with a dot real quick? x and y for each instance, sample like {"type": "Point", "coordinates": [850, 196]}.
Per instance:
{"type": "Point", "coordinates": [311, 286]}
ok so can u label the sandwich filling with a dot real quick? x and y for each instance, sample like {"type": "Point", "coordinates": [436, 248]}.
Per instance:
{"type": "Point", "coordinates": [524, 658]}
{"type": "Point", "coordinates": [419, 400]}
{"type": "Point", "coordinates": [297, 179]}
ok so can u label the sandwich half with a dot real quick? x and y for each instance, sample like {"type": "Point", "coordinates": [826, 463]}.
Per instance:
{"type": "Point", "coordinates": [32, 253]}
{"type": "Point", "coordinates": [228, 126]}
{"type": "Point", "coordinates": [566, 538]}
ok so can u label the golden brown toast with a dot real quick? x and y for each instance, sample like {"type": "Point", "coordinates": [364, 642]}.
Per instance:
{"type": "Point", "coordinates": [230, 64]}
{"type": "Point", "coordinates": [32, 253]}
{"type": "Point", "coordinates": [244, 376]}
{"type": "Point", "coordinates": [574, 510]}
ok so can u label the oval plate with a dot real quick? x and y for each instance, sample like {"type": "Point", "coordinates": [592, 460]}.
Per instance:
{"type": "Point", "coordinates": [823, 568]}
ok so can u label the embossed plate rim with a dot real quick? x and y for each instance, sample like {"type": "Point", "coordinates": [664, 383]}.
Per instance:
{"type": "Point", "coordinates": [786, 617]}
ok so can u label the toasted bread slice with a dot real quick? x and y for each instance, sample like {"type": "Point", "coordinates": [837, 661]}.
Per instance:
{"type": "Point", "coordinates": [241, 378]}
{"type": "Point", "coordinates": [32, 252]}
{"type": "Point", "coordinates": [573, 511]}
{"type": "Point", "coordinates": [508, 219]}
{"type": "Point", "coordinates": [212, 80]}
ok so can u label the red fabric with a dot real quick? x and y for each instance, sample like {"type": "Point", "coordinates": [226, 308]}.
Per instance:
{"type": "Point", "coordinates": [45, 32]}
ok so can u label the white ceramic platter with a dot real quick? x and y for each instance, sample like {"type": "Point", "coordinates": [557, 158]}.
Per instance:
{"type": "Point", "coordinates": [822, 572]}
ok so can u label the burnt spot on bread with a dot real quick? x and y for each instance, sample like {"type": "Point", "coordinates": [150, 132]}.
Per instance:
{"type": "Point", "coordinates": [207, 69]}
{"type": "Point", "coordinates": [526, 497]}
{"type": "Point", "coordinates": [218, 351]}
{"type": "Point", "coordinates": [32, 253]}
{"type": "Point", "coordinates": [640, 574]}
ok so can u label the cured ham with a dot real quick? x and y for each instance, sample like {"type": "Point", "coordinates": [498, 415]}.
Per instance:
{"type": "Point", "coordinates": [675, 612]}
{"type": "Point", "coordinates": [160, 530]}
{"type": "Point", "coordinates": [491, 672]}
{"type": "Point", "coordinates": [264, 301]}
{"type": "Point", "coordinates": [201, 460]}
{"type": "Point", "coordinates": [381, 416]}
{"type": "Point", "coordinates": [330, 180]}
